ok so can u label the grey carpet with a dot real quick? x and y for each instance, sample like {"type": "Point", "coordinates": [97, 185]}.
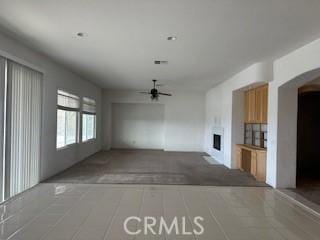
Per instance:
{"type": "Point", "coordinates": [152, 167]}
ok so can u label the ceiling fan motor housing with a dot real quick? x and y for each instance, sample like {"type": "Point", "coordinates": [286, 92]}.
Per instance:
{"type": "Point", "coordinates": [155, 93]}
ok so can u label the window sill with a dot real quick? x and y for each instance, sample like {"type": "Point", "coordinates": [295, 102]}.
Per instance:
{"type": "Point", "coordinates": [89, 140]}
{"type": "Point", "coordinates": [74, 144]}
{"type": "Point", "coordinates": [66, 147]}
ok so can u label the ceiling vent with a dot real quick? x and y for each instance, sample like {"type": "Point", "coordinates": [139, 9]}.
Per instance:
{"type": "Point", "coordinates": [160, 62]}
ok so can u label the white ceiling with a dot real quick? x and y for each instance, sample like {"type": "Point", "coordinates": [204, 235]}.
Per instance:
{"type": "Point", "coordinates": [216, 38]}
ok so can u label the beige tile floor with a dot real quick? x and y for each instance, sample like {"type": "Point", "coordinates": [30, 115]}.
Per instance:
{"type": "Point", "coordinates": [97, 212]}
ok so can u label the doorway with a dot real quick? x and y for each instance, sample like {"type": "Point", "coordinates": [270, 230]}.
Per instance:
{"type": "Point", "coordinates": [308, 154]}
{"type": "Point", "coordinates": [20, 127]}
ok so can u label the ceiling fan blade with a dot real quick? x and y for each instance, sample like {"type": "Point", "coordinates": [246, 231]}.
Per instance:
{"type": "Point", "coordinates": [166, 94]}
{"type": "Point", "coordinates": [145, 92]}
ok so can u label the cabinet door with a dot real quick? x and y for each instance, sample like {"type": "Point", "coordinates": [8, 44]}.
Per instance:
{"type": "Point", "coordinates": [258, 106]}
{"type": "Point", "coordinates": [247, 115]}
{"type": "Point", "coordinates": [261, 105]}
{"type": "Point", "coordinates": [250, 98]}
{"type": "Point", "coordinates": [253, 167]}
{"type": "Point", "coordinates": [264, 104]}
{"type": "Point", "coordinates": [261, 166]}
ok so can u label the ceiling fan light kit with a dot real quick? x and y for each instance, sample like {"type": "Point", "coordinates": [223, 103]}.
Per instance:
{"type": "Point", "coordinates": [154, 92]}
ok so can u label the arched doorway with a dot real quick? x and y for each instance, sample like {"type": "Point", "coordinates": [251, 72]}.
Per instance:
{"type": "Point", "coordinates": [308, 133]}
{"type": "Point", "coordinates": [286, 128]}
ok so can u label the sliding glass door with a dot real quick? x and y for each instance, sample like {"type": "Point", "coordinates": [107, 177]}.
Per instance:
{"type": "Point", "coordinates": [3, 75]}
{"type": "Point", "coordinates": [20, 127]}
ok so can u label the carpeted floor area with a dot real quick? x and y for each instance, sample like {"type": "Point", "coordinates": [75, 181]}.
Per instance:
{"type": "Point", "coordinates": [153, 167]}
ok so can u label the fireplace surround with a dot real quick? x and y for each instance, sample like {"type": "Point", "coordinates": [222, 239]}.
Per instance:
{"type": "Point", "coordinates": [217, 143]}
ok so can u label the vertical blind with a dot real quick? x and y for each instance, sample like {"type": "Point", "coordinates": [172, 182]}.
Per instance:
{"type": "Point", "coordinates": [24, 128]}
{"type": "Point", "coordinates": [3, 74]}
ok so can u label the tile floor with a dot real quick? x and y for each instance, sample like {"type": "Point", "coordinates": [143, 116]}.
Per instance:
{"type": "Point", "coordinates": [97, 212]}
{"type": "Point", "coordinates": [309, 188]}
{"type": "Point", "coordinates": [307, 193]}
{"type": "Point", "coordinates": [301, 200]}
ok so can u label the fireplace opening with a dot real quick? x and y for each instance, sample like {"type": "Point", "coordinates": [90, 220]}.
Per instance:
{"type": "Point", "coordinates": [217, 142]}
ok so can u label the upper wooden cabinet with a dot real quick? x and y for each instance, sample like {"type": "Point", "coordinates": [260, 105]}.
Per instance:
{"type": "Point", "coordinates": [250, 106]}
{"type": "Point", "coordinates": [256, 105]}
{"type": "Point", "coordinates": [262, 104]}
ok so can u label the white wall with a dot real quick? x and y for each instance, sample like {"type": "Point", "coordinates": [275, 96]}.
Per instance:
{"type": "Point", "coordinates": [290, 72]}
{"type": "Point", "coordinates": [55, 76]}
{"type": "Point", "coordinates": [238, 115]}
{"type": "Point", "coordinates": [137, 125]}
{"type": "Point", "coordinates": [225, 106]}
{"type": "Point", "coordinates": [183, 118]}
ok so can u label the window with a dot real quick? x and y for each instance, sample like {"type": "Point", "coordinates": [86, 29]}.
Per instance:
{"type": "Point", "coordinates": [88, 127]}
{"type": "Point", "coordinates": [88, 119]}
{"type": "Point", "coordinates": [67, 119]}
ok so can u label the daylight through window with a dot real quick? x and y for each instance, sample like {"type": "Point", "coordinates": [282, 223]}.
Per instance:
{"type": "Point", "coordinates": [88, 119]}
{"type": "Point", "coordinates": [67, 118]}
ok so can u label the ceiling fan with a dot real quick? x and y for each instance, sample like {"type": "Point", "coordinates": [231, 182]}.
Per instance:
{"type": "Point", "coordinates": [154, 91]}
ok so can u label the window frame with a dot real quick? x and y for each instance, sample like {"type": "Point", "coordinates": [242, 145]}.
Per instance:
{"type": "Point", "coordinates": [94, 126]}
{"type": "Point", "coordinates": [68, 109]}
{"type": "Point", "coordinates": [83, 112]}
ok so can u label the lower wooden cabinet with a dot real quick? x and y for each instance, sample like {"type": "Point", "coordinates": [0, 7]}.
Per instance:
{"type": "Point", "coordinates": [252, 159]}
{"type": "Point", "coordinates": [253, 163]}
{"type": "Point", "coordinates": [261, 167]}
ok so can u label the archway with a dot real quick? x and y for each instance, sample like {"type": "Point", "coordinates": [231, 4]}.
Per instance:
{"type": "Point", "coordinates": [287, 128]}
{"type": "Point", "coordinates": [308, 154]}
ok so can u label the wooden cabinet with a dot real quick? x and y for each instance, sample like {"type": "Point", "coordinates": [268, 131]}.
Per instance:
{"type": "Point", "coordinates": [252, 159]}
{"type": "Point", "coordinates": [261, 104]}
{"type": "Point", "coordinates": [250, 106]}
{"type": "Point", "coordinates": [253, 163]}
{"type": "Point", "coordinates": [256, 105]}
{"type": "Point", "coordinates": [261, 166]}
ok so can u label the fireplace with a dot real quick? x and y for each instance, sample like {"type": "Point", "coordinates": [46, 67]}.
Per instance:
{"type": "Point", "coordinates": [216, 146]}
{"type": "Point", "coordinates": [217, 142]}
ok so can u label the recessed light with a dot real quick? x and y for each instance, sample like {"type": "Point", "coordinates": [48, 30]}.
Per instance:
{"type": "Point", "coordinates": [160, 62]}
{"type": "Point", "coordinates": [172, 38]}
{"type": "Point", "coordinates": [81, 34]}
